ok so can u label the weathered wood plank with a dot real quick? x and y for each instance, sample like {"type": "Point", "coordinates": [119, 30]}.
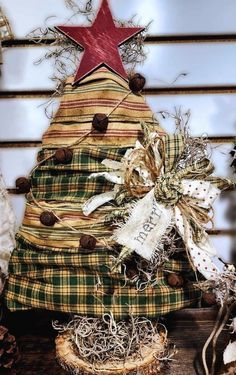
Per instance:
{"type": "Point", "coordinates": [155, 91]}
{"type": "Point", "coordinates": [150, 39]}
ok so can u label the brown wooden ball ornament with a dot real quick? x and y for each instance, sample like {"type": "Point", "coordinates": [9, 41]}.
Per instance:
{"type": "Point", "coordinates": [175, 280]}
{"type": "Point", "coordinates": [137, 83]}
{"type": "Point", "coordinates": [100, 122]}
{"type": "Point", "coordinates": [48, 218]}
{"type": "Point", "coordinates": [63, 155]}
{"type": "Point", "coordinates": [23, 185]}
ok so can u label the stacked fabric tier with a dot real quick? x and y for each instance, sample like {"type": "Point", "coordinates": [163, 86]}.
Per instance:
{"type": "Point", "coordinates": [49, 268]}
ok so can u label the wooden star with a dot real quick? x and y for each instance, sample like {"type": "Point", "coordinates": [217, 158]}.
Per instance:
{"type": "Point", "coordinates": [100, 43]}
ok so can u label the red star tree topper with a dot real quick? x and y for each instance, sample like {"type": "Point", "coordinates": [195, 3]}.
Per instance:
{"type": "Point", "coordinates": [100, 43]}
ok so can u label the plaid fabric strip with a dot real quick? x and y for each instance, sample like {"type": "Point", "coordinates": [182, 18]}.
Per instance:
{"type": "Point", "coordinates": [82, 283]}
{"type": "Point", "coordinates": [173, 148]}
{"type": "Point", "coordinates": [202, 169]}
{"type": "Point", "coordinates": [71, 182]}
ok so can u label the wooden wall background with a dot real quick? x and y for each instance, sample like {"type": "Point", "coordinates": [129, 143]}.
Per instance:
{"type": "Point", "coordinates": [192, 40]}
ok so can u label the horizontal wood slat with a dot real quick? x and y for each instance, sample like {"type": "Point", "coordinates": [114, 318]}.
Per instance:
{"type": "Point", "coordinates": [188, 90]}
{"type": "Point", "coordinates": [182, 90]}
{"type": "Point", "coordinates": [150, 39]}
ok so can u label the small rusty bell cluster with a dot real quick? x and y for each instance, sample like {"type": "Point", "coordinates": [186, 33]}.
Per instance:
{"type": "Point", "coordinates": [100, 122]}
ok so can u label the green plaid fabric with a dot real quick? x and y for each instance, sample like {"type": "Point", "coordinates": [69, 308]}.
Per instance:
{"type": "Point", "coordinates": [70, 182]}
{"type": "Point", "coordinates": [172, 147]}
{"type": "Point", "coordinates": [62, 277]}
{"type": "Point", "coordinates": [81, 283]}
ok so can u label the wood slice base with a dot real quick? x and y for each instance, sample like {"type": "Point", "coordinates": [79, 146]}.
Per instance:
{"type": "Point", "coordinates": [147, 365]}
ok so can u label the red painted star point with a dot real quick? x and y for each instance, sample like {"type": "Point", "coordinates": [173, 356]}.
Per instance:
{"type": "Point", "coordinates": [100, 43]}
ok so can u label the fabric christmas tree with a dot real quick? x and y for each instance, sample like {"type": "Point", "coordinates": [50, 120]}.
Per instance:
{"type": "Point", "coordinates": [114, 222]}
{"type": "Point", "coordinates": [51, 267]}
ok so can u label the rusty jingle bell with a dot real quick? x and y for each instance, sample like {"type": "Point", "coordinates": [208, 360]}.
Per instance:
{"type": "Point", "coordinates": [23, 185]}
{"type": "Point", "coordinates": [87, 242]}
{"type": "Point", "coordinates": [137, 83]}
{"type": "Point", "coordinates": [63, 155]}
{"type": "Point", "coordinates": [209, 298]}
{"type": "Point", "coordinates": [100, 122]}
{"type": "Point", "coordinates": [48, 218]}
{"type": "Point", "coordinates": [175, 280]}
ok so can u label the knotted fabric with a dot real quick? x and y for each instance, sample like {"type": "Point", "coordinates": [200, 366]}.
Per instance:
{"type": "Point", "coordinates": [168, 189]}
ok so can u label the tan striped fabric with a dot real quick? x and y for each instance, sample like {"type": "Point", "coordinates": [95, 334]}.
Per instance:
{"type": "Point", "coordinates": [98, 93]}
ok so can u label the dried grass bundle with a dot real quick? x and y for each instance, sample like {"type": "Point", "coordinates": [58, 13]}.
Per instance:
{"type": "Point", "coordinates": [95, 346]}
{"type": "Point", "coordinates": [101, 340]}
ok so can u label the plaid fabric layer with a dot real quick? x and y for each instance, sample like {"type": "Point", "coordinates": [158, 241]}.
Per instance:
{"type": "Point", "coordinates": [81, 283]}
{"type": "Point", "coordinates": [48, 269]}
{"type": "Point", "coordinates": [70, 182]}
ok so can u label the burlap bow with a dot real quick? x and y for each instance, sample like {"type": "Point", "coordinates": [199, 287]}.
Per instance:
{"type": "Point", "coordinates": [174, 188]}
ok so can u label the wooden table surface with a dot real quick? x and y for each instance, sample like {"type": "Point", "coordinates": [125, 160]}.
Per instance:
{"type": "Point", "coordinates": [188, 330]}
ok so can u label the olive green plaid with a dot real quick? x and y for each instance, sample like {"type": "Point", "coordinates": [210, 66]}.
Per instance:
{"type": "Point", "coordinates": [67, 278]}
{"type": "Point", "coordinates": [70, 182]}
{"type": "Point", "coordinates": [82, 283]}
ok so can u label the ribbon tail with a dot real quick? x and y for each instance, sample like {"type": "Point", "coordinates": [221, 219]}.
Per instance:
{"type": "Point", "coordinates": [201, 253]}
{"type": "Point", "coordinates": [96, 201]}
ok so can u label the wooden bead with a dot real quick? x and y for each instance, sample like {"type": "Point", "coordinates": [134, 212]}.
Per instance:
{"type": "Point", "coordinates": [87, 241]}
{"type": "Point", "coordinates": [137, 83]}
{"type": "Point", "coordinates": [48, 218]}
{"type": "Point", "coordinates": [175, 280]}
{"type": "Point", "coordinates": [100, 122]}
{"type": "Point", "coordinates": [23, 185]}
{"type": "Point", "coordinates": [63, 155]}
{"type": "Point", "coordinates": [209, 298]}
